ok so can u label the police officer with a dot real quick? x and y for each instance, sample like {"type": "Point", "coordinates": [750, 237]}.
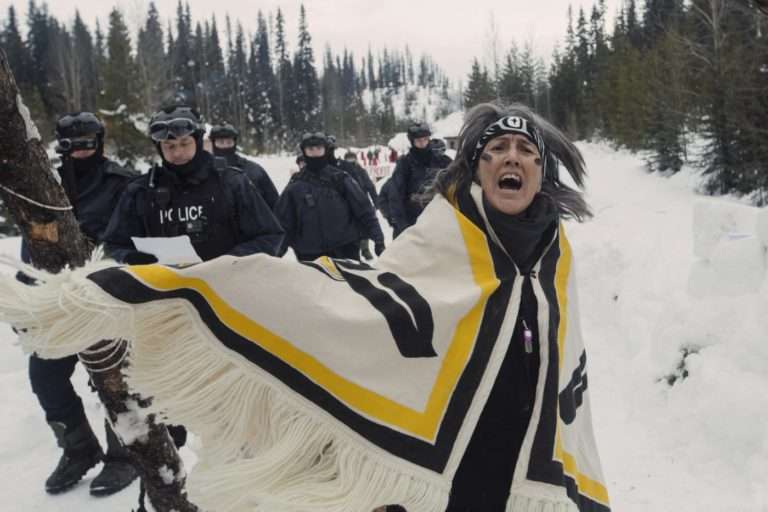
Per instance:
{"type": "Point", "coordinates": [413, 173]}
{"type": "Point", "coordinates": [224, 140]}
{"type": "Point", "coordinates": [93, 185]}
{"type": "Point", "coordinates": [218, 207]}
{"type": "Point", "coordinates": [439, 147]}
{"type": "Point", "coordinates": [323, 210]}
{"type": "Point", "coordinates": [349, 165]}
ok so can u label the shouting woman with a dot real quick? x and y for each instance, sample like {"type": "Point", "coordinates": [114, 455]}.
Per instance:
{"type": "Point", "coordinates": [449, 377]}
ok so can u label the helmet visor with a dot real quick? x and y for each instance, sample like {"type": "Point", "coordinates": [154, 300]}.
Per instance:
{"type": "Point", "coordinates": [173, 129]}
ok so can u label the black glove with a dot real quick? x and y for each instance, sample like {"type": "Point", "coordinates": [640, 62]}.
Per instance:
{"type": "Point", "coordinates": [364, 250]}
{"type": "Point", "coordinates": [379, 247]}
{"type": "Point", "coordinates": [139, 258]}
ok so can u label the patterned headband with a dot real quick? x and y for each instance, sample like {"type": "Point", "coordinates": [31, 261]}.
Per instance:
{"type": "Point", "coordinates": [510, 124]}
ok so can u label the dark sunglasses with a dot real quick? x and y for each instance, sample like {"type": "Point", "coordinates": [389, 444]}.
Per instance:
{"type": "Point", "coordinates": [175, 128]}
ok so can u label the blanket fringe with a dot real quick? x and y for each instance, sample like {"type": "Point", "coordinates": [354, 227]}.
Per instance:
{"type": "Point", "coordinates": [64, 313]}
{"type": "Point", "coordinates": [263, 448]}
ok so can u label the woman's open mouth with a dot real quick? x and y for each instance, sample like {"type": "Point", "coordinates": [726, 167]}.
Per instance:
{"type": "Point", "coordinates": [511, 181]}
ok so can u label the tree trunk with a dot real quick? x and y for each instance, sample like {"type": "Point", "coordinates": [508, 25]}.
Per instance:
{"type": "Point", "coordinates": [41, 209]}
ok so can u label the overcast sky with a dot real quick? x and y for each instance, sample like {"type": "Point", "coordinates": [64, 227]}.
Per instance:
{"type": "Point", "coordinates": [452, 32]}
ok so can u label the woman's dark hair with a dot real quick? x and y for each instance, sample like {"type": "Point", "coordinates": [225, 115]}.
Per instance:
{"type": "Point", "coordinates": [458, 176]}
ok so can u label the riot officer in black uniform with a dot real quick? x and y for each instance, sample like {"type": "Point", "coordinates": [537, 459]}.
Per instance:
{"type": "Point", "coordinates": [439, 147]}
{"type": "Point", "coordinates": [93, 185]}
{"type": "Point", "coordinates": [413, 173]}
{"type": "Point", "coordinates": [349, 165]}
{"type": "Point", "coordinates": [224, 140]}
{"type": "Point", "coordinates": [217, 206]}
{"type": "Point", "coordinates": [323, 210]}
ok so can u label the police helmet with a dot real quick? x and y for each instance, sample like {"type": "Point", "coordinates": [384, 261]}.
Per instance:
{"type": "Point", "coordinates": [418, 130]}
{"type": "Point", "coordinates": [313, 139]}
{"type": "Point", "coordinates": [224, 131]}
{"type": "Point", "coordinates": [437, 146]}
{"type": "Point", "coordinates": [175, 122]}
{"type": "Point", "coordinates": [72, 130]}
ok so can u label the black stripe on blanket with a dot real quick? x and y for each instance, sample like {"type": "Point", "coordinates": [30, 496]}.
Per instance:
{"type": "Point", "coordinates": [123, 286]}
{"type": "Point", "coordinates": [542, 467]}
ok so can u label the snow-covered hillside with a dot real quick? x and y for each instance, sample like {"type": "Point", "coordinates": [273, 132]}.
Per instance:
{"type": "Point", "coordinates": [673, 298]}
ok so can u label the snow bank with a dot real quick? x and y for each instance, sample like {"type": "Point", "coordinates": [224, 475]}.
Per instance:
{"type": "Point", "coordinates": [674, 305]}
{"type": "Point", "coordinates": [730, 249]}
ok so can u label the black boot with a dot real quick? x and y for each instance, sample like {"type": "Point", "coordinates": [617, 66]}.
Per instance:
{"type": "Point", "coordinates": [118, 471]}
{"type": "Point", "coordinates": [81, 453]}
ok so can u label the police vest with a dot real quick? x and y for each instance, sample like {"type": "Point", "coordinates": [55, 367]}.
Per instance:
{"type": "Point", "coordinates": [200, 210]}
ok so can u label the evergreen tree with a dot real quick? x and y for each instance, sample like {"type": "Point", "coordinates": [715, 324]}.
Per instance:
{"type": "Point", "coordinates": [42, 57]}
{"type": "Point", "coordinates": [182, 59]}
{"type": "Point", "coordinates": [200, 68]}
{"type": "Point", "coordinates": [372, 83]}
{"type": "Point", "coordinates": [236, 77]}
{"type": "Point", "coordinates": [119, 75]}
{"type": "Point", "coordinates": [86, 64]}
{"type": "Point", "coordinates": [18, 54]}
{"type": "Point", "coordinates": [215, 84]}
{"type": "Point", "coordinates": [479, 87]}
{"type": "Point", "coordinates": [304, 107]}
{"type": "Point", "coordinates": [633, 28]}
{"type": "Point", "coordinates": [263, 95]}
{"type": "Point", "coordinates": [284, 78]}
{"type": "Point", "coordinates": [151, 62]}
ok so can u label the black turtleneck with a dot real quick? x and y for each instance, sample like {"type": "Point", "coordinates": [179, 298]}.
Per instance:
{"type": "Point", "coordinates": [525, 235]}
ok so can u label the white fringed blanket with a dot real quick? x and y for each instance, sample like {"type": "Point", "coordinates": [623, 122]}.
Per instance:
{"type": "Point", "coordinates": [334, 386]}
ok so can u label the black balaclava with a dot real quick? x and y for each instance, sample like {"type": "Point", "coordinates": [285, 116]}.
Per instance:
{"type": "Point", "coordinates": [184, 170]}
{"type": "Point", "coordinates": [230, 154]}
{"type": "Point", "coordinates": [315, 163]}
{"type": "Point", "coordinates": [423, 155]}
{"type": "Point", "coordinates": [85, 166]}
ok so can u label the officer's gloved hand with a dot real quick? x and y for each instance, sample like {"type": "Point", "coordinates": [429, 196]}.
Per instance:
{"type": "Point", "coordinates": [139, 258]}
{"type": "Point", "coordinates": [364, 250]}
{"type": "Point", "coordinates": [379, 247]}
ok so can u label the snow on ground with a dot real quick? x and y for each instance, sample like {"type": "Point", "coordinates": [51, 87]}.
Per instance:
{"type": "Point", "coordinates": [673, 299]}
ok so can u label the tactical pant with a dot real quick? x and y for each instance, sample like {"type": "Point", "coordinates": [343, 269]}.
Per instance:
{"type": "Point", "coordinates": [50, 379]}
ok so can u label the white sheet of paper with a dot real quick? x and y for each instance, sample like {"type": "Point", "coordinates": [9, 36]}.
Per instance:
{"type": "Point", "coordinates": [175, 250]}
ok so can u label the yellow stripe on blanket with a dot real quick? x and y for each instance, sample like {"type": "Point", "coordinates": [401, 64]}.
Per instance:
{"type": "Point", "coordinates": [423, 424]}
